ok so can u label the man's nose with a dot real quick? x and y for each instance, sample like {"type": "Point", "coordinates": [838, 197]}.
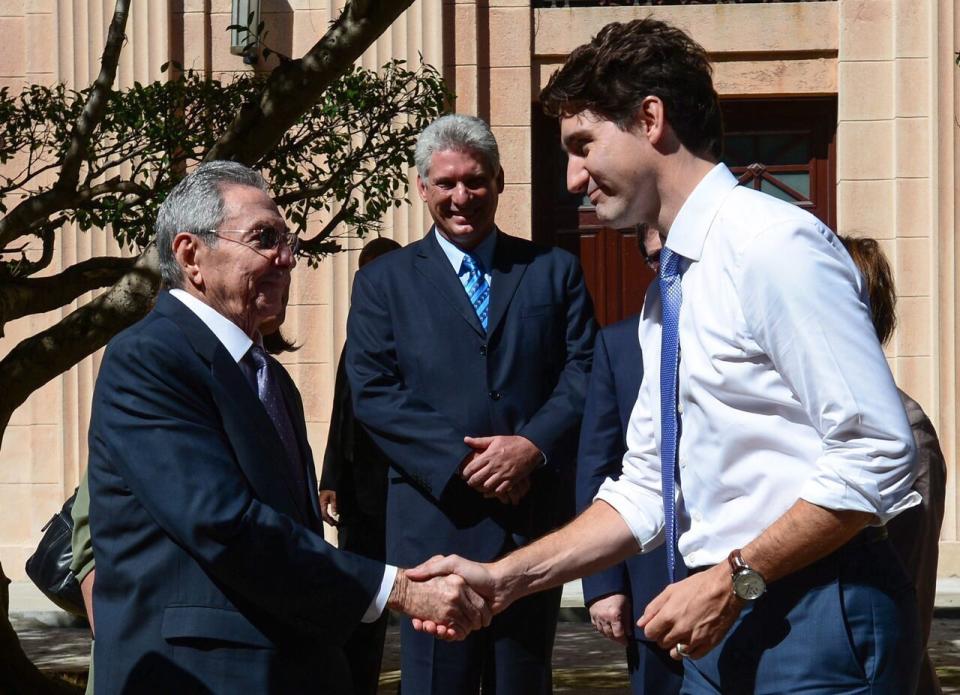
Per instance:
{"type": "Point", "coordinates": [577, 176]}
{"type": "Point", "coordinates": [285, 257]}
{"type": "Point", "coordinates": [460, 195]}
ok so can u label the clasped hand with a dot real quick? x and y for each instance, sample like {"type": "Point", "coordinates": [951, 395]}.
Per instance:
{"type": "Point", "coordinates": [500, 466]}
{"type": "Point", "coordinates": [444, 601]}
{"type": "Point", "coordinates": [479, 577]}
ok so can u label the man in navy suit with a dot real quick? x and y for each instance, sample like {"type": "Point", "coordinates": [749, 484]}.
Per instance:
{"type": "Point", "coordinates": [617, 596]}
{"type": "Point", "coordinates": [468, 354]}
{"type": "Point", "coordinates": [212, 572]}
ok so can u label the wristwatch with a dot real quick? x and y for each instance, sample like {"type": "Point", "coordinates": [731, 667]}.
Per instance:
{"type": "Point", "coordinates": [748, 584]}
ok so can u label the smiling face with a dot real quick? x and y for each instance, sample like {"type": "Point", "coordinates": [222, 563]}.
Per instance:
{"type": "Point", "coordinates": [614, 167]}
{"type": "Point", "coordinates": [242, 282]}
{"type": "Point", "coordinates": [462, 196]}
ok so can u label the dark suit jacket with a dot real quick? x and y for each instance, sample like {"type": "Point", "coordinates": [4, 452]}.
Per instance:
{"type": "Point", "coordinates": [212, 575]}
{"type": "Point", "coordinates": [353, 465]}
{"type": "Point", "coordinates": [614, 384]}
{"type": "Point", "coordinates": [915, 533]}
{"type": "Point", "coordinates": [424, 374]}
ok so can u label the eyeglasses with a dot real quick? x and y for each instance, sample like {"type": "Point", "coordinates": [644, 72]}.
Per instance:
{"type": "Point", "coordinates": [264, 239]}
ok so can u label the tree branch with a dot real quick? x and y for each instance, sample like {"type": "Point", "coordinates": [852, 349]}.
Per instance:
{"type": "Point", "coordinates": [320, 242]}
{"type": "Point", "coordinates": [41, 357]}
{"type": "Point", "coordinates": [47, 203]}
{"type": "Point", "coordinates": [297, 84]}
{"type": "Point", "coordinates": [299, 194]}
{"type": "Point", "coordinates": [22, 268]}
{"type": "Point", "coordinates": [23, 297]}
{"type": "Point", "coordinates": [97, 100]}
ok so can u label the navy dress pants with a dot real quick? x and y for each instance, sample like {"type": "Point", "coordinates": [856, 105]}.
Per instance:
{"type": "Point", "coordinates": [512, 656]}
{"type": "Point", "coordinates": [652, 671]}
{"type": "Point", "coordinates": [846, 624]}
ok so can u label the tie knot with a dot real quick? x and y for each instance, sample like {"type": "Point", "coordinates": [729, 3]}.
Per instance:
{"type": "Point", "coordinates": [470, 263]}
{"type": "Point", "coordinates": [258, 356]}
{"type": "Point", "coordinates": [669, 263]}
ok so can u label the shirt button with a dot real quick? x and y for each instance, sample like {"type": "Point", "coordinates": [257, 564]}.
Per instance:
{"type": "Point", "coordinates": [483, 351]}
{"type": "Point", "coordinates": [696, 516]}
{"type": "Point", "coordinates": [682, 463]}
{"type": "Point", "coordinates": [495, 395]}
{"type": "Point", "coordinates": [680, 408]}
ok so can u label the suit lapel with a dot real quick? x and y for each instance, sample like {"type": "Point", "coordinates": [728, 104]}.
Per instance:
{"type": "Point", "coordinates": [295, 410]}
{"type": "Point", "coordinates": [433, 264]}
{"type": "Point", "coordinates": [508, 269]}
{"type": "Point", "coordinates": [246, 424]}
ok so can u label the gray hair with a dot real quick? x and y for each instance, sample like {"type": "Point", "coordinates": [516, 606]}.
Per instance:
{"type": "Point", "coordinates": [195, 206]}
{"type": "Point", "coordinates": [456, 131]}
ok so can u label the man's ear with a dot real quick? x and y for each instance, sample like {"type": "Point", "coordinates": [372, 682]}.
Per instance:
{"type": "Point", "coordinates": [651, 119]}
{"type": "Point", "coordinates": [421, 188]}
{"type": "Point", "coordinates": [185, 249]}
{"type": "Point", "coordinates": [500, 181]}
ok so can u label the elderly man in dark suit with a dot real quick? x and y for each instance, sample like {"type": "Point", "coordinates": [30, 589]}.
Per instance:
{"type": "Point", "coordinates": [617, 596]}
{"type": "Point", "coordinates": [468, 354]}
{"type": "Point", "coordinates": [212, 573]}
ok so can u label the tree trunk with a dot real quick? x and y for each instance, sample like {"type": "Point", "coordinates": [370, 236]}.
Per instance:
{"type": "Point", "coordinates": [18, 676]}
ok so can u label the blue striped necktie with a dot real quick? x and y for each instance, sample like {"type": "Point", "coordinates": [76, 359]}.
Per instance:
{"type": "Point", "coordinates": [478, 290]}
{"type": "Point", "coordinates": [671, 297]}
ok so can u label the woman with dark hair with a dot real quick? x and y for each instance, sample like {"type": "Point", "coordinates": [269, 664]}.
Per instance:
{"type": "Point", "coordinates": [915, 533]}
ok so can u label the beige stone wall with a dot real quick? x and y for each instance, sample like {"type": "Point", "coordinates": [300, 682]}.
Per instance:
{"type": "Point", "coordinates": [889, 61]}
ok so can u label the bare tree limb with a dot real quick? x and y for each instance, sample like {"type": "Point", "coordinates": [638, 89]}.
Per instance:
{"type": "Point", "coordinates": [23, 297]}
{"type": "Point", "coordinates": [321, 241]}
{"type": "Point", "coordinates": [47, 235]}
{"type": "Point", "coordinates": [295, 85]}
{"type": "Point", "coordinates": [41, 357]}
{"type": "Point", "coordinates": [96, 106]}
{"type": "Point", "coordinates": [49, 202]}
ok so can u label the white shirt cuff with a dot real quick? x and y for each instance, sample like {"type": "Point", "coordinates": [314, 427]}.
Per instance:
{"type": "Point", "coordinates": [640, 509]}
{"type": "Point", "coordinates": [375, 610]}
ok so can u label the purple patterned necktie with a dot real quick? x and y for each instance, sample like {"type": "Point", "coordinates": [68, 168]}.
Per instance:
{"type": "Point", "coordinates": [268, 390]}
{"type": "Point", "coordinates": [671, 297]}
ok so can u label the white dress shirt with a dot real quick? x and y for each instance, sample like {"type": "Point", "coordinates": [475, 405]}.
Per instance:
{"type": "Point", "coordinates": [237, 344]}
{"type": "Point", "coordinates": [484, 252]}
{"type": "Point", "coordinates": [784, 392]}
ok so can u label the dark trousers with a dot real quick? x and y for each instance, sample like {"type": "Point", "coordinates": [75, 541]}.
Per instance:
{"type": "Point", "coordinates": [652, 671]}
{"type": "Point", "coordinates": [846, 624]}
{"type": "Point", "coordinates": [364, 534]}
{"type": "Point", "coordinates": [510, 657]}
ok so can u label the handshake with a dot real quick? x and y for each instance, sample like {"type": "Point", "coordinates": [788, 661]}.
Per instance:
{"type": "Point", "coordinates": [449, 597]}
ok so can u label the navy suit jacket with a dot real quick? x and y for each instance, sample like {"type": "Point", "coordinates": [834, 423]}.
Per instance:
{"type": "Point", "coordinates": [614, 384]}
{"type": "Point", "coordinates": [212, 573]}
{"type": "Point", "coordinates": [424, 374]}
{"type": "Point", "coordinates": [353, 466]}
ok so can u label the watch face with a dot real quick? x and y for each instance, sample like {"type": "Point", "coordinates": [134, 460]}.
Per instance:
{"type": "Point", "coordinates": [749, 585]}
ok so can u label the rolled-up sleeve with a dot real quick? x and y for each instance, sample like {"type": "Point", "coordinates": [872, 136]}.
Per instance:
{"type": "Point", "coordinates": [802, 299]}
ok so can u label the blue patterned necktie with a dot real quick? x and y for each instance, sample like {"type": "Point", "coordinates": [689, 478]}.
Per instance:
{"type": "Point", "coordinates": [478, 290]}
{"type": "Point", "coordinates": [269, 393]}
{"type": "Point", "coordinates": [671, 297]}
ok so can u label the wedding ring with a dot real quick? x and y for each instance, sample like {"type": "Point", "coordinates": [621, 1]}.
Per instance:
{"type": "Point", "coordinates": [681, 649]}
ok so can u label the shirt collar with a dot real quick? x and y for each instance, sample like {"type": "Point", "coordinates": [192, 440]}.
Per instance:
{"type": "Point", "coordinates": [233, 338]}
{"type": "Point", "coordinates": [483, 252]}
{"type": "Point", "coordinates": [689, 230]}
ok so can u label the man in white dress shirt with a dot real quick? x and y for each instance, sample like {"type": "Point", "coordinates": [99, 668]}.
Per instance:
{"type": "Point", "coordinates": [790, 445]}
